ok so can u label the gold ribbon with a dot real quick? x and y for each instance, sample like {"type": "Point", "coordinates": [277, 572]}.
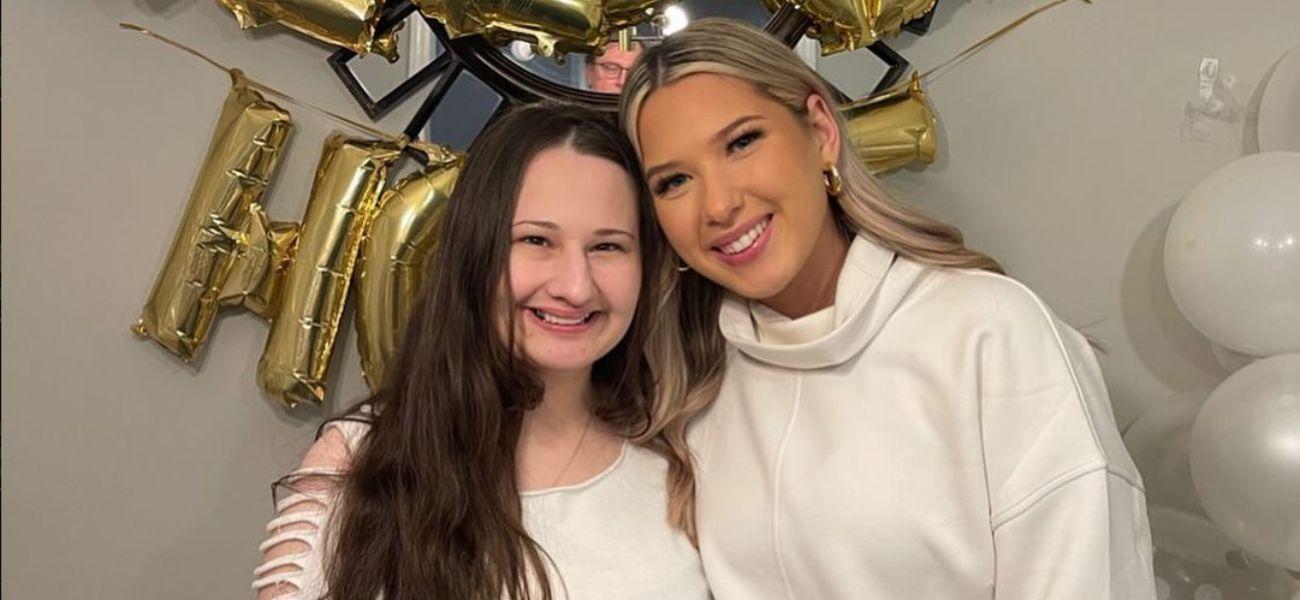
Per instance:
{"type": "Point", "coordinates": [990, 38]}
{"type": "Point", "coordinates": [233, 72]}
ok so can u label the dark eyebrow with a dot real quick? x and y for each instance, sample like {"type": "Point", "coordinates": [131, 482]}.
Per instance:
{"type": "Point", "coordinates": [734, 125]}
{"type": "Point", "coordinates": [720, 135]}
{"type": "Point", "coordinates": [554, 227]}
{"type": "Point", "coordinates": [542, 224]}
{"type": "Point", "coordinates": [652, 171]}
{"type": "Point", "coordinates": [614, 232]}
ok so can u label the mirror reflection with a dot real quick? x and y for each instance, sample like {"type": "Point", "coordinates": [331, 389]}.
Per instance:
{"type": "Point", "coordinates": [417, 47]}
{"type": "Point", "coordinates": [607, 73]}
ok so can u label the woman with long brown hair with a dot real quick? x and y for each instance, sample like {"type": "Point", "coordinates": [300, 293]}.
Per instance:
{"type": "Point", "coordinates": [496, 462]}
{"type": "Point", "coordinates": [874, 409]}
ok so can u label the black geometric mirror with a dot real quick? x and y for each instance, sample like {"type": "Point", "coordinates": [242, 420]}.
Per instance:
{"type": "Point", "coordinates": [470, 66]}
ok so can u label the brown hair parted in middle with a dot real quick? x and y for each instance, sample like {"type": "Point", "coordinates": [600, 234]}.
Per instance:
{"type": "Point", "coordinates": [429, 507]}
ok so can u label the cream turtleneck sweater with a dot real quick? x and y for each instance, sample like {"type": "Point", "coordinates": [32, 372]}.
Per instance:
{"type": "Point", "coordinates": [936, 434]}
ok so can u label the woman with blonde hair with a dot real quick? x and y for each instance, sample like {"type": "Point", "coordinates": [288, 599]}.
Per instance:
{"type": "Point", "coordinates": [874, 410]}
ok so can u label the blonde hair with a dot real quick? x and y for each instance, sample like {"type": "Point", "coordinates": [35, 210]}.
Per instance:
{"type": "Point", "coordinates": [687, 350]}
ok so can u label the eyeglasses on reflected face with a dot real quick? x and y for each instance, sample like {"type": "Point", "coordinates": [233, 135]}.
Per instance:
{"type": "Point", "coordinates": [609, 69]}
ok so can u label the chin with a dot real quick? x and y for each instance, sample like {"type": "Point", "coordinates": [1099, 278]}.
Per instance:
{"type": "Point", "coordinates": [565, 357]}
{"type": "Point", "coordinates": [759, 284]}
{"type": "Point", "coordinates": [550, 363]}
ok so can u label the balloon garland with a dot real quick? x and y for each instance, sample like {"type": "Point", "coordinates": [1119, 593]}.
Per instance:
{"type": "Point", "coordinates": [1232, 260]}
{"type": "Point", "coordinates": [360, 238]}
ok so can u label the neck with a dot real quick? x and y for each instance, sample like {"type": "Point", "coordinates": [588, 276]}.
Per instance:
{"type": "Point", "coordinates": [813, 288]}
{"type": "Point", "coordinates": [565, 402]}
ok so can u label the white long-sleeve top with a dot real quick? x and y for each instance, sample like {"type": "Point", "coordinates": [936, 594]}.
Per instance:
{"type": "Point", "coordinates": [937, 434]}
{"type": "Point", "coordinates": [608, 536]}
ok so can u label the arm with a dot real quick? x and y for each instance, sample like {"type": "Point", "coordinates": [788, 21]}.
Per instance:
{"type": "Point", "coordinates": [1086, 539]}
{"type": "Point", "coordinates": [1068, 512]}
{"type": "Point", "coordinates": [292, 565]}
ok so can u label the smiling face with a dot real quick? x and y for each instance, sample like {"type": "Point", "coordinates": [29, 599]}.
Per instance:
{"type": "Point", "coordinates": [737, 180]}
{"type": "Point", "coordinates": [575, 266]}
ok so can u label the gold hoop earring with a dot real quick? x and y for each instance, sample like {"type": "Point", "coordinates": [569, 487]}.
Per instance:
{"type": "Point", "coordinates": [831, 179]}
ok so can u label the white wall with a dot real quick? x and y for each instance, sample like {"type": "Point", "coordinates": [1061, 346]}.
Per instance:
{"type": "Point", "coordinates": [1060, 155]}
{"type": "Point", "coordinates": [128, 475]}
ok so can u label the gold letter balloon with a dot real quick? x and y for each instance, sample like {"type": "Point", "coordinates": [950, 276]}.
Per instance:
{"type": "Point", "coordinates": [390, 272]}
{"type": "Point", "coordinates": [851, 24]}
{"type": "Point", "coordinates": [892, 129]}
{"type": "Point", "coordinates": [213, 240]}
{"type": "Point", "coordinates": [228, 252]}
{"type": "Point", "coordinates": [553, 25]}
{"type": "Point", "coordinates": [349, 179]}
{"type": "Point", "coordinates": [347, 23]}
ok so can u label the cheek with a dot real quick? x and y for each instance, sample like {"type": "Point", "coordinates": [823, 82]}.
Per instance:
{"type": "Point", "coordinates": [799, 195]}
{"type": "Point", "coordinates": [525, 276]}
{"type": "Point", "coordinates": [620, 284]}
{"type": "Point", "coordinates": [677, 218]}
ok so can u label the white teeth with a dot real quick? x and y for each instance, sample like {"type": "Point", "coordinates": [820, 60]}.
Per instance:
{"type": "Point", "coordinates": [554, 320]}
{"type": "Point", "coordinates": [745, 241]}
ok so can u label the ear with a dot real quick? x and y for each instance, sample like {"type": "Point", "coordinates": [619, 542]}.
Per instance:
{"type": "Point", "coordinates": [821, 118]}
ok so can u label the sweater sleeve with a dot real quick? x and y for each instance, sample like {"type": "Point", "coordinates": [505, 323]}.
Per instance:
{"type": "Point", "coordinates": [1067, 508]}
{"type": "Point", "coordinates": [1086, 539]}
{"type": "Point", "coordinates": [293, 564]}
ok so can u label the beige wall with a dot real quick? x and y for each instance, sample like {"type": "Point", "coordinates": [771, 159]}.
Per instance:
{"type": "Point", "coordinates": [128, 475]}
{"type": "Point", "coordinates": [1062, 157]}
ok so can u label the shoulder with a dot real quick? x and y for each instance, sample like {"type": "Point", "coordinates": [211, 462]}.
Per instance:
{"type": "Point", "coordinates": [997, 316]}
{"type": "Point", "coordinates": [1023, 346]}
{"type": "Point", "coordinates": [982, 295]}
{"type": "Point", "coordinates": [338, 440]}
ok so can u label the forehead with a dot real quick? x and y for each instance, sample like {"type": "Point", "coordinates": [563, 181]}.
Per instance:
{"type": "Point", "coordinates": [571, 189]}
{"type": "Point", "coordinates": [613, 53]}
{"type": "Point", "coordinates": [688, 112]}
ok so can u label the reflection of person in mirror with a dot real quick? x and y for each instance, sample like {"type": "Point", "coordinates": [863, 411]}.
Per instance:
{"type": "Point", "coordinates": [607, 72]}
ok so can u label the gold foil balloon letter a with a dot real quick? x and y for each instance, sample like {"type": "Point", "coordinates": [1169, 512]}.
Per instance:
{"type": "Point", "coordinates": [213, 233]}
{"type": "Point", "coordinates": [347, 23]}
{"type": "Point", "coordinates": [393, 260]}
{"type": "Point", "coordinates": [554, 25]}
{"type": "Point", "coordinates": [348, 182]}
{"type": "Point", "coordinates": [851, 24]}
{"type": "Point", "coordinates": [892, 129]}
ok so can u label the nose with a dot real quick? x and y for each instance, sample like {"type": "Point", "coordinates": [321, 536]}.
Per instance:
{"type": "Point", "coordinates": [571, 279]}
{"type": "Point", "coordinates": [722, 203]}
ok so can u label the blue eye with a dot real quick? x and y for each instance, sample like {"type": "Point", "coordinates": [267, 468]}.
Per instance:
{"type": "Point", "coordinates": [744, 140]}
{"type": "Point", "coordinates": [667, 184]}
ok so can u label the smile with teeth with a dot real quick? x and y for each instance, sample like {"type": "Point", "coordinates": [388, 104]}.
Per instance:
{"type": "Point", "coordinates": [745, 241]}
{"type": "Point", "coordinates": [562, 321]}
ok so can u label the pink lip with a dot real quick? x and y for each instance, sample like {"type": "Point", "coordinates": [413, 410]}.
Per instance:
{"type": "Point", "coordinates": [738, 232]}
{"type": "Point", "coordinates": [752, 252]}
{"type": "Point", "coordinates": [563, 329]}
{"type": "Point", "coordinates": [564, 313]}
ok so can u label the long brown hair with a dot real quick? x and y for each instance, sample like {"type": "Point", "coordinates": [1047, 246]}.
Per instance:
{"type": "Point", "coordinates": [429, 507]}
{"type": "Point", "coordinates": [694, 358]}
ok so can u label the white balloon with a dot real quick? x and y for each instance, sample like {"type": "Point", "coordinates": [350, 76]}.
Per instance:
{"type": "Point", "coordinates": [1159, 441]}
{"type": "Point", "coordinates": [1232, 361]}
{"type": "Point", "coordinates": [1182, 578]}
{"type": "Point", "coordinates": [1232, 255]}
{"type": "Point", "coordinates": [1273, 122]}
{"type": "Point", "coordinates": [1245, 458]}
{"type": "Point", "coordinates": [1190, 537]}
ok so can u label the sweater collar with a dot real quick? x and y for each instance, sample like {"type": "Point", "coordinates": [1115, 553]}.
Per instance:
{"type": "Point", "coordinates": [871, 285]}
